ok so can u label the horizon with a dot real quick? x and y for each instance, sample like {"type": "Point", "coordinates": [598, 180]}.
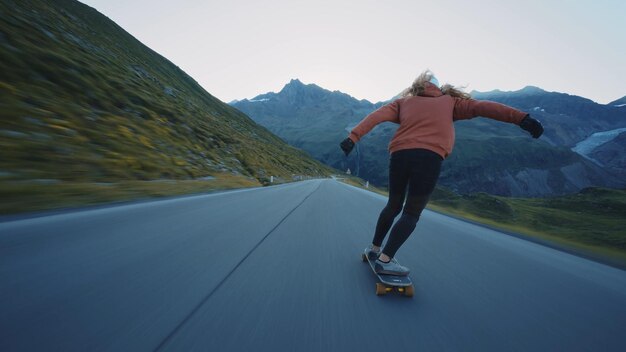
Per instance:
{"type": "Point", "coordinates": [240, 50]}
{"type": "Point", "coordinates": [380, 101]}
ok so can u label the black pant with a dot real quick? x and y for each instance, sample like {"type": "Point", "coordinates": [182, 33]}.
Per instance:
{"type": "Point", "coordinates": [417, 170]}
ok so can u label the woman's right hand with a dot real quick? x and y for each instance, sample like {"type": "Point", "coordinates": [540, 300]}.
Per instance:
{"type": "Point", "coordinates": [347, 145]}
{"type": "Point", "coordinates": [532, 126]}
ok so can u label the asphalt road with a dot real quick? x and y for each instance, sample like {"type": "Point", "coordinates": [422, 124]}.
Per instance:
{"type": "Point", "coordinates": [279, 269]}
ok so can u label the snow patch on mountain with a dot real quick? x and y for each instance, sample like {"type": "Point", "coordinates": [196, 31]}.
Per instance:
{"type": "Point", "coordinates": [597, 139]}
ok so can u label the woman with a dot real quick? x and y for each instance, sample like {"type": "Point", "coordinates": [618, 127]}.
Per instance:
{"type": "Point", "coordinates": [424, 139]}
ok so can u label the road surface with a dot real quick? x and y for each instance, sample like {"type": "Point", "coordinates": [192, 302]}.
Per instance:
{"type": "Point", "coordinates": [279, 269]}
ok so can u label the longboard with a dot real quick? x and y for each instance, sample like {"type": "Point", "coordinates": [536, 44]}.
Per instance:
{"type": "Point", "coordinates": [389, 283]}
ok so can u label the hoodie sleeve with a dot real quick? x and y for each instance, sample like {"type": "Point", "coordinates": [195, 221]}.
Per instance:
{"type": "Point", "coordinates": [469, 108]}
{"type": "Point", "coordinates": [389, 112]}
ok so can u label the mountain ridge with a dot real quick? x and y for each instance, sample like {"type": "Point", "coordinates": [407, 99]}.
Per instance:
{"type": "Point", "coordinates": [621, 101]}
{"type": "Point", "coordinates": [528, 89]}
{"type": "Point", "coordinates": [317, 125]}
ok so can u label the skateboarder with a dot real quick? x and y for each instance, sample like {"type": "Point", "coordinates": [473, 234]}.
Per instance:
{"type": "Point", "coordinates": [425, 137]}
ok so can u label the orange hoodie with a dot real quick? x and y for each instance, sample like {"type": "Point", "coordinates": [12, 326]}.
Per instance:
{"type": "Point", "coordinates": [426, 121]}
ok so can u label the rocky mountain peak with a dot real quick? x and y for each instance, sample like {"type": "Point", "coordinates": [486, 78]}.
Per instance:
{"type": "Point", "coordinates": [531, 90]}
{"type": "Point", "coordinates": [295, 82]}
{"type": "Point", "coordinates": [295, 85]}
{"type": "Point", "coordinates": [298, 93]}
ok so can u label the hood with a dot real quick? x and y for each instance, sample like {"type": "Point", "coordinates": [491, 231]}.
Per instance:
{"type": "Point", "coordinates": [431, 90]}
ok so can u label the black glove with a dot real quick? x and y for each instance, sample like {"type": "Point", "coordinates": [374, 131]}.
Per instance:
{"type": "Point", "coordinates": [347, 145]}
{"type": "Point", "coordinates": [532, 126]}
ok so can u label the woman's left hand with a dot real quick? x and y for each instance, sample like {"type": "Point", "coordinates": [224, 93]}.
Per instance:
{"type": "Point", "coordinates": [531, 125]}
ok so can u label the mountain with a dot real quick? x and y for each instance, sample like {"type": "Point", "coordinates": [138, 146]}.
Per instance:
{"type": "Point", "coordinates": [568, 118]}
{"type": "Point", "coordinates": [621, 102]}
{"type": "Point", "coordinates": [489, 156]}
{"type": "Point", "coordinates": [577, 123]}
{"type": "Point", "coordinates": [611, 154]}
{"type": "Point", "coordinates": [83, 100]}
{"type": "Point", "coordinates": [315, 120]}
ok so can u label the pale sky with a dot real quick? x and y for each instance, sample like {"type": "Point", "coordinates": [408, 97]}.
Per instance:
{"type": "Point", "coordinates": [374, 49]}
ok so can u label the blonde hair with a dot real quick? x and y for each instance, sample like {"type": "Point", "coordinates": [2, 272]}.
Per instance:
{"type": "Point", "coordinates": [417, 88]}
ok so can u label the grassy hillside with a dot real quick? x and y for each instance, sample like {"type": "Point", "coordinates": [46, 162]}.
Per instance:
{"type": "Point", "coordinates": [81, 100]}
{"type": "Point", "coordinates": [590, 222]}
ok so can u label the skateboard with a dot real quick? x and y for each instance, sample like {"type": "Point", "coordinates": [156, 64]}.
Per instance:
{"type": "Point", "coordinates": [388, 283]}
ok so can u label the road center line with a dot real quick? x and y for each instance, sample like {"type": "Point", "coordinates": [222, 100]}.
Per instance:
{"type": "Point", "coordinates": [205, 299]}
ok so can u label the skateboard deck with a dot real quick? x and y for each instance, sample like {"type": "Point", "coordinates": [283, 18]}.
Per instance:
{"type": "Point", "coordinates": [389, 283]}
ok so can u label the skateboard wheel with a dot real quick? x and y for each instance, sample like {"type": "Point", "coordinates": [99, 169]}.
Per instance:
{"type": "Point", "coordinates": [408, 291]}
{"type": "Point", "coordinates": [363, 257]}
{"type": "Point", "coordinates": [380, 289]}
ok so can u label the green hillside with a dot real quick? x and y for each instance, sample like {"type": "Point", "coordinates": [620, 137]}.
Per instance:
{"type": "Point", "coordinates": [590, 222]}
{"type": "Point", "coordinates": [83, 101]}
